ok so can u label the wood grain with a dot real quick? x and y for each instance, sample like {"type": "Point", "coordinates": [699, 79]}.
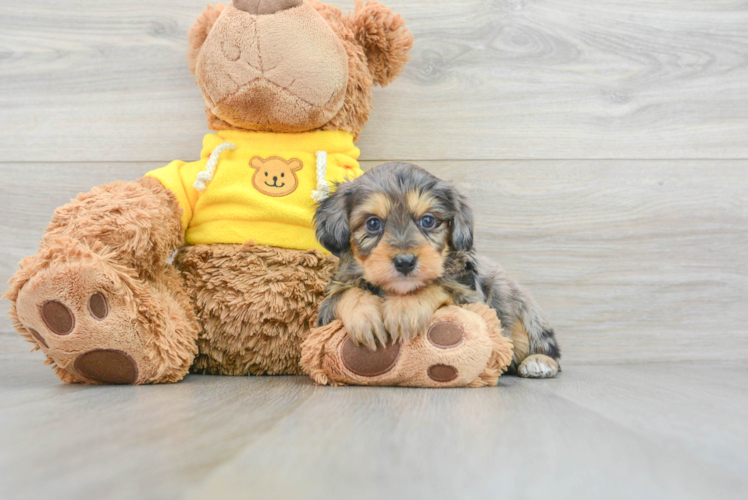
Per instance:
{"type": "Point", "coordinates": [645, 432]}
{"type": "Point", "coordinates": [499, 79]}
{"type": "Point", "coordinates": [634, 261]}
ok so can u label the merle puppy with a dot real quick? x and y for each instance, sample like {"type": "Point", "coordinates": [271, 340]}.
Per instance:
{"type": "Point", "coordinates": [405, 243]}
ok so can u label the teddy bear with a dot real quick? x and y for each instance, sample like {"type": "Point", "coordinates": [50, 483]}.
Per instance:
{"type": "Point", "coordinates": [212, 266]}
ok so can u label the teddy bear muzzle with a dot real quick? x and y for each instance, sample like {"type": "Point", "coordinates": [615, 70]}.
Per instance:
{"type": "Point", "coordinates": [273, 65]}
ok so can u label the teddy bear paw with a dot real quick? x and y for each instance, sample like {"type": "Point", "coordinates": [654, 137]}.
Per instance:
{"type": "Point", "coordinates": [459, 349]}
{"type": "Point", "coordinates": [81, 319]}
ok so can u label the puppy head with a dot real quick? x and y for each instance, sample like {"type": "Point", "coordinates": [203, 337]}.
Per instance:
{"type": "Point", "coordinates": [399, 222]}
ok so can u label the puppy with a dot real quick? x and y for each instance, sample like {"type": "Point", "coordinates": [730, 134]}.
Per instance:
{"type": "Point", "coordinates": [405, 243]}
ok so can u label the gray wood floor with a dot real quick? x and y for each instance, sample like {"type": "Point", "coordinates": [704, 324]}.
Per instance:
{"type": "Point", "coordinates": [655, 431]}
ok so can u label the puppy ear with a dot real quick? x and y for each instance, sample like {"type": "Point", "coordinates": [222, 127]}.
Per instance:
{"type": "Point", "coordinates": [199, 32]}
{"type": "Point", "coordinates": [462, 224]}
{"type": "Point", "coordinates": [331, 220]}
{"type": "Point", "coordinates": [384, 37]}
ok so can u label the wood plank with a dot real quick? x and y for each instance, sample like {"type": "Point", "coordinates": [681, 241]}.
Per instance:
{"type": "Point", "coordinates": [596, 431]}
{"type": "Point", "coordinates": [634, 261]}
{"type": "Point", "coordinates": [128, 442]}
{"type": "Point", "coordinates": [522, 440]}
{"type": "Point", "coordinates": [106, 81]}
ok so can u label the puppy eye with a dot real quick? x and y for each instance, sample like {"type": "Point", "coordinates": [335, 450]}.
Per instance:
{"type": "Point", "coordinates": [428, 221]}
{"type": "Point", "coordinates": [374, 224]}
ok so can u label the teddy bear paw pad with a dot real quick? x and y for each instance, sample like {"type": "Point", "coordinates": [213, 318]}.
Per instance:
{"type": "Point", "coordinates": [108, 366]}
{"type": "Point", "coordinates": [446, 334]}
{"type": "Point", "coordinates": [442, 373]}
{"type": "Point", "coordinates": [367, 363]}
{"type": "Point", "coordinates": [58, 318]}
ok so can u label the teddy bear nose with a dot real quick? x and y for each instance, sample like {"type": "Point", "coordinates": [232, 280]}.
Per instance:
{"type": "Point", "coordinates": [264, 7]}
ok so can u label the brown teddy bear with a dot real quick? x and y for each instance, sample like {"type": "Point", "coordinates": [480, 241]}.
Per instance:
{"type": "Point", "coordinates": [212, 266]}
{"type": "Point", "coordinates": [287, 86]}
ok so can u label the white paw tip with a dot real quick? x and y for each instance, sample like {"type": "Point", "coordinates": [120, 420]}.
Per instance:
{"type": "Point", "coordinates": [537, 369]}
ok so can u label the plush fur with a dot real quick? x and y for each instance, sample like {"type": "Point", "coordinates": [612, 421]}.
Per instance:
{"type": "Point", "coordinates": [101, 298]}
{"type": "Point", "coordinates": [406, 238]}
{"type": "Point", "coordinates": [255, 305]}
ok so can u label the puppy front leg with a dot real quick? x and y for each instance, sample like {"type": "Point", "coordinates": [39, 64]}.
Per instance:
{"type": "Point", "coordinates": [360, 312]}
{"type": "Point", "coordinates": [407, 316]}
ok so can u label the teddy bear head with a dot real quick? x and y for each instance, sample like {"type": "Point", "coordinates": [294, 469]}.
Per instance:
{"type": "Point", "coordinates": [294, 65]}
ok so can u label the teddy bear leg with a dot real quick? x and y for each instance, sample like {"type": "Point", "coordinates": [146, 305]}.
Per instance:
{"type": "Point", "coordinates": [98, 322]}
{"type": "Point", "coordinates": [463, 347]}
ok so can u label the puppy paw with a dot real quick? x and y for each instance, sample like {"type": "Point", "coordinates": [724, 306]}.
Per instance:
{"type": "Point", "coordinates": [538, 366]}
{"type": "Point", "coordinates": [360, 312]}
{"type": "Point", "coordinates": [403, 320]}
{"type": "Point", "coordinates": [408, 316]}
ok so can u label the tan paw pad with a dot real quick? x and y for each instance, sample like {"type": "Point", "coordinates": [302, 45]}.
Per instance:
{"type": "Point", "coordinates": [58, 317]}
{"type": "Point", "coordinates": [364, 362]}
{"type": "Point", "coordinates": [446, 334]}
{"type": "Point", "coordinates": [107, 366]}
{"type": "Point", "coordinates": [442, 373]}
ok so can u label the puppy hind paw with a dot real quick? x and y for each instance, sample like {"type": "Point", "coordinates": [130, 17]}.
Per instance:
{"type": "Point", "coordinates": [538, 366]}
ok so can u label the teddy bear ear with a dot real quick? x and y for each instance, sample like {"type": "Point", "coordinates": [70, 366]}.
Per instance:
{"type": "Point", "coordinates": [385, 39]}
{"type": "Point", "coordinates": [199, 32]}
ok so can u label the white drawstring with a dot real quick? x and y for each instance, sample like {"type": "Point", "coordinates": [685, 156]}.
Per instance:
{"type": "Point", "coordinates": [323, 187]}
{"type": "Point", "coordinates": [204, 177]}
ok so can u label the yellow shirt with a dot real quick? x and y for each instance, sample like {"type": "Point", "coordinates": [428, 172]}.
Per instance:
{"type": "Point", "coordinates": [262, 190]}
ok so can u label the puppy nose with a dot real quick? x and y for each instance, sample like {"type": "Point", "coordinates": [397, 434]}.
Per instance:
{"type": "Point", "coordinates": [263, 7]}
{"type": "Point", "coordinates": [405, 263]}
